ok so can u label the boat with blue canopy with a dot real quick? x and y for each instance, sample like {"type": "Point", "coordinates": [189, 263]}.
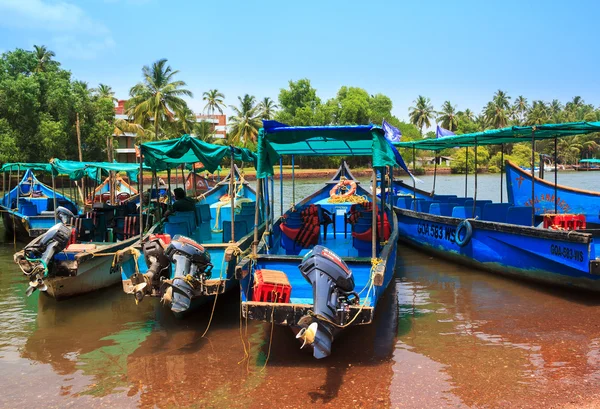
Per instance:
{"type": "Point", "coordinates": [325, 263]}
{"type": "Point", "coordinates": [523, 240]}
{"type": "Point", "coordinates": [189, 257]}
{"type": "Point", "coordinates": [76, 254]}
{"type": "Point", "coordinates": [28, 208]}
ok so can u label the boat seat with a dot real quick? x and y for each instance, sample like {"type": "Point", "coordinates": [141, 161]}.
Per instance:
{"type": "Point", "coordinates": [461, 200]}
{"type": "Point", "coordinates": [444, 198]}
{"type": "Point", "coordinates": [85, 228]}
{"type": "Point", "coordinates": [426, 205]}
{"type": "Point", "coordinates": [416, 204]}
{"type": "Point", "coordinates": [479, 204]}
{"type": "Point", "coordinates": [442, 209]}
{"type": "Point", "coordinates": [174, 228]}
{"type": "Point", "coordinates": [240, 230]}
{"type": "Point", "coordinates": [203, 212]}
{"type": "Point", "coordinates": [465, 212]}
{"type": "Point", "coordinates": [190, 217]}
{"type": "Point", "coordinates": [495, 212]}
{"type": "Point", "coordinates": [404, 202]}
{"type": "Point", "coordinates": [519, 215]}
{"type": "Point", "coordinates": [28, 209]}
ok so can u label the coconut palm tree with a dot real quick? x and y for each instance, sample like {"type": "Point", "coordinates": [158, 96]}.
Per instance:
{"type": "Point", "coordinates": [204, 131]}
{"type": "Point", "coordinates": [267, 108]}
{"type": "Point", "coordinates": [555, 111]}
{"type": "Point", "coordinates": [467, 115]}
{"type": "Point", "coordinates": [496, 116]}
{"type": "Point", "coordinates": [448, 118]}
{"type": "Point", "coordinates": [501, 99]}
{"type": "Point", "coordinates": [105, 91]}
{"type": "Point", "coordinates": [214, 101]}
{"type": "Point", "coordinates": [520, 108]}
{"type": "Point", "coordinates": [158, 97]}
{"type": "Point", "coordinates": [245, 122]}
{"type": "Point", "coordinates": [43, 57]}
{"type": "Point", "coordinates": [421, 113]}
{"type": "Point", "coordinates": [539, 113]}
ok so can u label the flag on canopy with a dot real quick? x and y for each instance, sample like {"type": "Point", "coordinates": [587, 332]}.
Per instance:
{"type": "Point", "coordinates": [393, 134]}
{"type": "Point", "coordinates": [441, 132]}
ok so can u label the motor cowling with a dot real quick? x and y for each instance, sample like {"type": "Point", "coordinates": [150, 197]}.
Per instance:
{"type": "Point", "coordinates": [64, 215]}
{"type": "Point", "coordinates": [158, 264]}
{"type": "Point", "coordinates": [332, 282]}
{"type": "Point", "coordinates": [37, 255]}
{"type": "Point", "coordinates": [192, 268]}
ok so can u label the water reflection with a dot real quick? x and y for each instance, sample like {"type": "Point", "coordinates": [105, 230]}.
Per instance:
{"type": "Point", "coordinates": [489, 341]}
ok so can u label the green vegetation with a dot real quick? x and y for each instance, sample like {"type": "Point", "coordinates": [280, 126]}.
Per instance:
{"type": "Point", "coordinates": [43, 110]}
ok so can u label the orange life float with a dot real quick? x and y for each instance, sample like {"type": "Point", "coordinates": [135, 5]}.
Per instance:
{"type": "Point", "coordinates": [348, 185]}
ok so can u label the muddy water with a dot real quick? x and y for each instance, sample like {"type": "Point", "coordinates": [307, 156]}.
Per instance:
{"type": "Point", "coordinates": [445, 336]}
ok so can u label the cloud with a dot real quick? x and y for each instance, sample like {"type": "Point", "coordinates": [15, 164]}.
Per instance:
{"type": "Point", "coordinates": [40, 14]}
{"type": "Point", "coordinates": [76, 34]}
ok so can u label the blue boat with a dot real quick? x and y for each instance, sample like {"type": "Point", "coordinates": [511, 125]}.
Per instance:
{"type": "Point", "coordinates": [325, 263]}
{"type": "Point", "coordinates": [499, 237]}
{"type": "Point", "coordinates": [28, 208]}
{"type": "Point", "coordinates": [550, 198]}
{"type": "Point", "coordinates": [189, 259]}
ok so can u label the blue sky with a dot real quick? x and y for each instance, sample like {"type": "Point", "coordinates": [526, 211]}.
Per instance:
{"type": "Point", "coordinates": [462, 51]}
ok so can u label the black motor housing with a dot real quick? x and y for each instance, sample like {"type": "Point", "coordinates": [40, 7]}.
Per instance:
{"type": "Point", "coordinates": [190, 259]}
{"type": "Point", "coordinates": [158, 266]}
{"type": "Point", "coordinates": [330, 277]}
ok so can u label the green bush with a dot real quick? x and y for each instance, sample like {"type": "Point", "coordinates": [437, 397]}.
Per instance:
{"type": "Point", "coordinates": [493, 169]}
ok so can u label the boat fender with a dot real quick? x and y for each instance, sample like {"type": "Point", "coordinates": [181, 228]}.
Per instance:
{"type": "Point", "coordinates": [466, 225]}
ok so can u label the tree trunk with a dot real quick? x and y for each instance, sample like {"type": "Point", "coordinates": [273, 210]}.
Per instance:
{"type": "Point", "coordinates": [156, 127]}
{"type": "Point", "coordinates": [78, 136]}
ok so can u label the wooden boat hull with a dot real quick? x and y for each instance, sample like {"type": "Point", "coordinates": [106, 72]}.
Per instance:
{"type": "Point", "coordinates": [553, 257]}
{"type": "Point", "coordinates": [569, 200]}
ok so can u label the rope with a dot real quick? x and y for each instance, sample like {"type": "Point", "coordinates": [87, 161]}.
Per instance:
{"type": "Point", "coordinates": [355, 199]}
{"type": "Point", "coordinates": [271, 336]}
{"type": "Point", "coordinates": [374, 263]}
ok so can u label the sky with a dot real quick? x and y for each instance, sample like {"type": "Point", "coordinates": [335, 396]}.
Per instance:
{"type": "Point", "coordinates": [461, 51]}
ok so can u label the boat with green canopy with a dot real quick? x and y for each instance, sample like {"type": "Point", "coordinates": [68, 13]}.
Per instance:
{"type": "Point", "coordinates": [28, 207]}
{"type": "Point", "coordinates": [309, 272]}
{"type": "Point", "coordinates": [539, 239]}
{"type": "Point", "coordinates": [190, 255]}
{"type": "Point", "coordinates": [590, 164]}
{"type": "Point", "coordinates": [75, 255]}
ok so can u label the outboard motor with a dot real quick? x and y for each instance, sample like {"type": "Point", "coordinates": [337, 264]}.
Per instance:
{"type": "Point", "coordinates": [333, 285]}
{"type": "Point", "coordinates": [37, 255]}
{"type": "Point", "coordinates": [192, 269]}
{"type": "Point", "coordinates": [64, 215]}
{"type": "Point", "coordinates": [158, 264]}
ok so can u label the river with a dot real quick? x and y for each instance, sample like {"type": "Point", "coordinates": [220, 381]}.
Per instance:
{"type": "Point", "coordinates": [445, 336]}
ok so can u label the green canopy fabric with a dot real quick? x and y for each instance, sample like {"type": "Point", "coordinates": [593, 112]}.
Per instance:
{"type": "Point", "coordinates": [589, 161]}
{"type": "Point", "coordinates": [162, 155]}
{"type": "Point", "coordinates": [276, 139]}
{"type": "Point", "coordinates": [22, 166]}
{"type": "Point", "coordinates": [511, 134]}
{"type": "Point", "coordinates": [94, 170]}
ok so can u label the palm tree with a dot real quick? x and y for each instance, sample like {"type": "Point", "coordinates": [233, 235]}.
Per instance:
{"type": "Point", "coordinates": [246, 121]}
{"type": "Point", "coordinates": [422, 113]}
{"type": "Point", "coordinates": [158, 97]}
{"type": "Point", "coordinates": [520, 108]}
{"type": "Point", "coordinates": [204, 131]}
{"type": "Point", "coordinates": [449, 118]}
{"type": "Point", "coordinates": [467, 115]}
{"type": "Point", "coordinates": [267, 108]}
{"type": "Point", "coordinates": [105, 91]}
{"type": "Point", "coordinates": [501, 99]}
{"type": "Point", "coordinates": [495, 116]}
{"type": "Point", "coordinates": [555, 111]}
{"type": "Point", "coordinates": [43, 57]}
{"type": "Point", "coordinates": [122, 127]}
{"type": "Point", "coordinates": [214, 101]}
{"type": "Point", "coordinates": [538, 114]}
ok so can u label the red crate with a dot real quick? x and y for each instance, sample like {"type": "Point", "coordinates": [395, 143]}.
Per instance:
{"type": "Point", "coordinates": [271, 286]}
{"type": "Point", "coordinates": [564, 221]}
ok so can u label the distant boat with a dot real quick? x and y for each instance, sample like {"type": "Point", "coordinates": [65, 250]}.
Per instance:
{"type": "Point", "coordinates": [28, 208]}
{"type": "Point", "coordinates": [589, 165]}
{"type": "Point", "coordinates": [568, 199]}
